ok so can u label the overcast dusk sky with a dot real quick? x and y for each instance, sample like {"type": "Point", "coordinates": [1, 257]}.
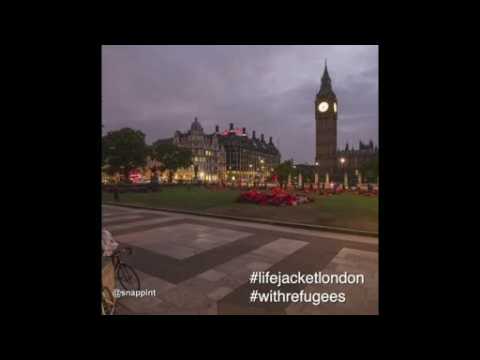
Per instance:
{"type": "Point", "coordinates": [267, 88]}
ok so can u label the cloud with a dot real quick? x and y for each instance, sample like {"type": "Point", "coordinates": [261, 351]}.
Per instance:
{"type": "Point", "coordinates": [270, 89]}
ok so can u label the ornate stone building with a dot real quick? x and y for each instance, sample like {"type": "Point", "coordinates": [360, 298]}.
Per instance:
{"type": "Point", "coordinates": [229, 155]}
{"type": "Point", "coordinates": [356, 158]}
{"type": "Point", "coordinates": [248, 159]}
{"type": "Point", "coordinates": [208, 154]}
{"type": "Point", "coordinates": [207, 151]}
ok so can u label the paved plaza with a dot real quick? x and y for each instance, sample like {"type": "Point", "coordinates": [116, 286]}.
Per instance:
{"type": "Point", "coordinates": [202, 265]}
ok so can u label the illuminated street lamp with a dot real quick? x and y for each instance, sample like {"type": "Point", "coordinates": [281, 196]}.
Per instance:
{"type": "Point", "coordinates": [345, 175]}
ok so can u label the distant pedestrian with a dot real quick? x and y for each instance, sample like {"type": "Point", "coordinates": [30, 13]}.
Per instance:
{"type": "Point", "coordinates": [116, 193]}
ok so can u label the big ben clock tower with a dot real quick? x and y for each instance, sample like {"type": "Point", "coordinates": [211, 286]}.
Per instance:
{"type": "Point", "coordinates": [326, 108]}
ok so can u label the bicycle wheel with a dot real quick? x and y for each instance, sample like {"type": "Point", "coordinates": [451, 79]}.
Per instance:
{"type": "Point", "coordinates": [108, 302]}
{"type": "Point", "coordinates": [127, 277]}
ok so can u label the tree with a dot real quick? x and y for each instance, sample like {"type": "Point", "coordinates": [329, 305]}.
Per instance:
{"type": "Point", "coordinates": [308, 177]}
{"type": "Point", "coordinates": [171, 157]}
{"type": "Point", "coordinates": [124, 150]}
{"type": "Point", "coordinates": [283, 170]}
{"type": "Point", "coordinates": [370, 169]}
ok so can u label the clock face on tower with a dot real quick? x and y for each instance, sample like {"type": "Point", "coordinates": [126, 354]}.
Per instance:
{"type": "Point", "coordinates": [335, 107]}
{"type": "Point", "coordinates": [323, 106]}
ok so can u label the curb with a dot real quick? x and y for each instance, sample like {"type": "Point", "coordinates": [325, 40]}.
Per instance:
{"type": "Point", "coordinates": [255, 220]}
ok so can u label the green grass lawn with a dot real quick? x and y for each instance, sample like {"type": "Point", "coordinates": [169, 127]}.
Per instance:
{"type": "Point", "coordinates": [345, 210]}
{"type": "Point", "coordinates": [179, 197]}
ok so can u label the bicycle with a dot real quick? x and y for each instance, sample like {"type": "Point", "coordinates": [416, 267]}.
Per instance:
{"type": "Point", "coordinates": [125, 274]}
{"type": "Point", "coordinates": [108, 302]}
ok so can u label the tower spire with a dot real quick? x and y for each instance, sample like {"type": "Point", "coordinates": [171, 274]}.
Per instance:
{"type": "Point", "coordinates": [325, 76]}
{"type": "Point", "coordinates": [326, 82]}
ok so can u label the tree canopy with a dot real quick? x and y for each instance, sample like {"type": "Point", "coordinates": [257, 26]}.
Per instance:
{"type": "Point", "coordinates": [283, 170]}
{"type": "Point", "coordinates": [124, 150]}
{"type": "Point", "coordinates": [370, 168]}
{"type": "Point", "coordinates": [170, 156]}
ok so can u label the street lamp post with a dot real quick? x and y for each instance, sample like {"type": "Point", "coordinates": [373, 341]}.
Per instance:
{"type": "Point", "coordinates": [262, 172]}
{"type": "Point", "coordinates": [251, 172]}
{"type": "Point", "coordinates": [295, 178]}
{"type": "Point", "coordinates": [345, 175]}
{"type": "Point", "coordinates": [359, 175]}
{"type": "Point", "coordinates": [317, 177]}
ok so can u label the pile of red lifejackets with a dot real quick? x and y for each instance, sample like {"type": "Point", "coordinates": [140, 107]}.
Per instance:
{"type": "Point", "coordinates": [278, 197]}
{"type": "Point", "coordinates": [372, 191]}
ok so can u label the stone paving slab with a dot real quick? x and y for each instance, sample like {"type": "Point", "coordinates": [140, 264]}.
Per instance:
{"type": "Point", "coordinates": [117, 215]}
{"type": "Point", "coordinates": [202, 265]}
{"type": "Point", "coordinates": [264, 226]}
{"type": "Point", "coordinates": [269, 222]}
{"type": "Point", "coordinates": [184, 240]}
{"type": "Point", "coordinates": [139, 222]}
{"type": "Point", "coordinates": [124, 219]}
{"type": "Point", "coordinates": [212, 275]}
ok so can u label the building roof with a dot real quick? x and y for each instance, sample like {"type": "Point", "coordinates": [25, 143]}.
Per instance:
{"type": "Point", "coordinates": [196, 126]}
{"type": "Point", "coordinates": [232, 137]}
{"type": "Point", "coordinates": [253, 144]}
